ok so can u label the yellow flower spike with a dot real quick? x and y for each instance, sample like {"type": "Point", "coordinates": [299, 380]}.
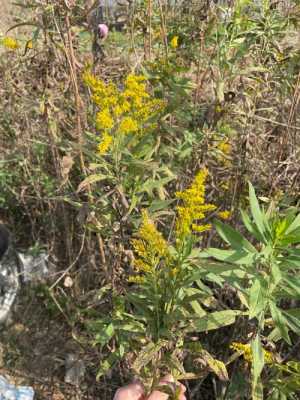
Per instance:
{"type": "Point", "coordinates": [224, 215]}
{"type": "Point", "coordinates": [105, 144]}
{"type": "Point", "coordinates": [245, 349]}
{"type": "Point", "coordinates": [90, 80]}
{"type": "Point", "coordinates": [10, 43]}
{"type": "Point", "coordinates": [150, 246]}
{"type": "Point", "coordinates": [174, 42]}
{"type": "Point", "coordinates": [193, 208]}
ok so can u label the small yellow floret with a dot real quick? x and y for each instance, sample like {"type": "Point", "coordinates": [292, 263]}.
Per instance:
{"type": "Point", "coordinates": [105, 144]}
{"type": "Point", "coordinates": [104, 119]}
{"type": "Point", "coordinates": [174, 42]}
{"type": "Point", "coordinates": [224, 214]}
{"type": "Point", "coordinates": [10, 43]}
{"type": "Point", "coordinates": [128, 125]}
{"type": "Point", "coordinates": [136, 279]}
{"type": "Point", "coordinates": [224, 147]}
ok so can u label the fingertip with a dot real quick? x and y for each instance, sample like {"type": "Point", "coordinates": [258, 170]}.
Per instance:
{"type": "Point", "coordinates": [167, 379]}
{"type": "Point", "coordinates": [133, 391]}
{"type": "Point", "coordinates": [182, 388]}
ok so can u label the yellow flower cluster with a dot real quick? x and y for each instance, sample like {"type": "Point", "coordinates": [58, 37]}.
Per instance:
{"type": "Point", "coordinates": [174, 42]}
{"type": "Point", "coordinates": [136, 279]}
{"type": "Point", "coordinates": [224, 147]}
{"type": "Point", "coordinates": [224, 215]}
{"type": "Point", "coordinates": [245, 349]}
{"type": "Point", "coordinates": [122, 111]}
{"type": "Point", "coordinates": [194, 207]}
{"type": "Point", "coordinates": [105, 143]}
{"type": "Point", "coordinates": [225, 150]}
{"type": "Point", "coordinates": [104, 120]}
{"type": "Point", "coordinates": [150, 246]}
{"type": "Point", "coordinates": [10, 43]}
{"type": "Point", "coordinates": [128, 125]}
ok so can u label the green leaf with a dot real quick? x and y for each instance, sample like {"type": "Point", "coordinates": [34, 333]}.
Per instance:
{"type": "Point", "coordinates": [107, 364]}
{"type": "Point", "coordinates": [234, 238]}
{"type": "Point", "coordinates": [294, 225]}
{"type": "Point", "coordinates": [280, 322]}
{"type": "Point", "coordinates": [238, 257]}
{"type": "Point", "coordinates": [276, 274]}
{"type": "Point", "coordinates": [147, 354]}
{"type": "Point", "coordinates": [217, 366]}
{"type": "Point", "coordinates": [250, 226]}
{"type": "Point", "coordinates": [293, 283]}
{"type": "Point", "coordinates": [257, 213]}
{"type": "Point", "coordinates": [257, 298]}
{"type": "Point", "coordinates": [105, 334]}
{"type": "Point", "coordinates": [238, 384]}
{"type": "Point", "coordinates": [214, 320]}
{"type": "Point", "coordinates": [257, 367]}
{"type": "Point", "coordinates": [292, 318]}
{"type": "Point", "coordinates": [89, 180]}
{"type": "Point", "coordinates": [158, 205]}
{"type": "Point", "coordinates": [152, 184]}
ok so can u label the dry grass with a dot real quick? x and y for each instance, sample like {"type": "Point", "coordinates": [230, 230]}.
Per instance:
{"type": "Point", "coordinates": [5, 17]}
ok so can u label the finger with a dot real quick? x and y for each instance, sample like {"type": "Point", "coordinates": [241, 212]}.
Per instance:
{"type": "Point", "coordinates": [182, 388]}
{"type": "Point", "coordinates": [134, 391]}
{"type": "Point", "coordinates": [167, 379]}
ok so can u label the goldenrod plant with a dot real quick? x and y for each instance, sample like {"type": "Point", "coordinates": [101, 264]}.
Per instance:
{"type": "Point", "coordinates": [165, 298]}
{"type": "Point", "coordinates": [127, 141]}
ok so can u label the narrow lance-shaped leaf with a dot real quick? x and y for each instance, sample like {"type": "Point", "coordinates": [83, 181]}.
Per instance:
{"type": "Point", "coordinates": [257, 213]}
{"type": "Point", "coordinates": [257, 299]}
{"type": "Point", "coordinates": [214, 320]}
{"type": "Point", "coordinates": [147, 354]}
{"type": "Point", "coordinates": [257, 367]}
{"type": "Point", "coordinates": [294, 225]}
{"type": "Point", "coordinates": [251, 226]}
{"type": "Point", "coordinates": [234, 238]}
{"type": "Point", "coordinates": [238, 257]}
{"type": "Point", "coordinates": [280, 322]}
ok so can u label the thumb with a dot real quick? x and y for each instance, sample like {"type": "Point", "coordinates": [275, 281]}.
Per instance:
{"type": "Point", "coordinates": [134, 391]}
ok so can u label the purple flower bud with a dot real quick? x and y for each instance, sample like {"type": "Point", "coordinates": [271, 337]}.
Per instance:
{"type": "Point", "coordinates": [102, 31]}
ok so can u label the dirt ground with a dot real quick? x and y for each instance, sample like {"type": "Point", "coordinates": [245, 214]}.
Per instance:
{"type": "Point", "coordinates": [5, 17]}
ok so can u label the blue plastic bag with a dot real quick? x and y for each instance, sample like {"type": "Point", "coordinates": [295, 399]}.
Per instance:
{"type": "Point", "coordinates": [12, 392]}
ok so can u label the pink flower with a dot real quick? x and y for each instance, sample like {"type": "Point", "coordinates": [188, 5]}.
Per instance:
{"type": "Point", "coordinates": [102, 31]}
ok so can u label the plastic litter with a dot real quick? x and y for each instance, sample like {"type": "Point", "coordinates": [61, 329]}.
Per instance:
{"type": "Point", "coordinates": [12, 392]}
{"type": "Point", "coordinates": [9, 271]}
{"type": "Point", "coordinates": [75, 369]}
{"type": "Point", "coordinates": [16, 268]}
{"type": "Point", "coordinates": [33, 267]}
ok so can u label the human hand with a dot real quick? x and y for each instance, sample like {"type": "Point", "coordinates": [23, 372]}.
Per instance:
{"type": "Point", "coordinates": [135, 391]}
